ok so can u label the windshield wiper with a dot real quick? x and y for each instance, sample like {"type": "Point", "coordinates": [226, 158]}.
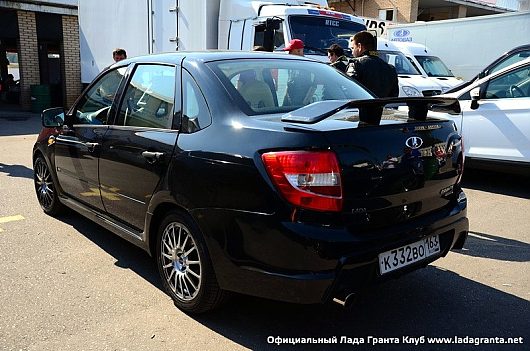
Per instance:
{"type": "Point", "coordinates": [371, 110]}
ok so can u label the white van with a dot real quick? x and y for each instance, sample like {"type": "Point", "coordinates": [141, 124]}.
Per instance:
{"type": "Point", "coordinates": [411, 81]}
{"type": "Point", "coordinates": [429, 64]}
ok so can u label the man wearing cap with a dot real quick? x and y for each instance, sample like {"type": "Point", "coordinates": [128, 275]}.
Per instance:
{"type": "Point", "coordinates": [295, 47]}
{"type": "Point", "coordinates": [299, 83]}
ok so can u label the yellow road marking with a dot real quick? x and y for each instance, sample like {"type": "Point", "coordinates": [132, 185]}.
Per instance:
{"type": "Point", "coordinates": [10, 219]}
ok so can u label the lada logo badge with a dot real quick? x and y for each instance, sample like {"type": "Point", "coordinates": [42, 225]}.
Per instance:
{"type": "Point", "coordinates": [414, 142]}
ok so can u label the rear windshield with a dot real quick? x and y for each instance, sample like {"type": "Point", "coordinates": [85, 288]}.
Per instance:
{"type": "Point", "coordinates": [267, 86]}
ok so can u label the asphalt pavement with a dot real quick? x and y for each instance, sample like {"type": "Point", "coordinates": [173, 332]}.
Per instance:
{"type": "Point", "coordinates": [68, 284]}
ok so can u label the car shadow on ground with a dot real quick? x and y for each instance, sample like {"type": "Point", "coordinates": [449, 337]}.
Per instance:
{"type": "Point", "coordinates": [18, 171]}
{"type": "Point", "coordinates": [127, 255]}
{"type": "Point", "coordinates": [495, 247]}
{"type": "Point", "coordinates": [431, 302]}
{"type": "Point", "coordinates": [498, 183]}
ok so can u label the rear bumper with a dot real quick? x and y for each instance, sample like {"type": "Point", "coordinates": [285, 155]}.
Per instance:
{"type": "Point", "coordinates": [354, 272]}
{"type": "Point", "coordinates": [309, 266]}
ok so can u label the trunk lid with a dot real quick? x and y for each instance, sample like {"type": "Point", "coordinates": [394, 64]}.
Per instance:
{"type": "Point", "coordinates": [394, 171]}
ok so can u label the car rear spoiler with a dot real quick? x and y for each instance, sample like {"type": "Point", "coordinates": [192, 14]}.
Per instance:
{"type": "Point", "coordinates": [370, 111]}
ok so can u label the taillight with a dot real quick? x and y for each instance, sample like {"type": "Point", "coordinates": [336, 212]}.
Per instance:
{"type": "Point", "coordinates": [308, 179]}
{"type": "Point", "coordinates": [460, 164]}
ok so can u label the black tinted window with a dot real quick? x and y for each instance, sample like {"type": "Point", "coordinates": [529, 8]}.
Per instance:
{"type": "Point", "coordinates": [195, 113]}
{"type": "Point", "coordinates": [149, 97]}
{"type": "Point", "coordinates": [95, 104]}
{"type": "Point", "coordinates": [319, 32]}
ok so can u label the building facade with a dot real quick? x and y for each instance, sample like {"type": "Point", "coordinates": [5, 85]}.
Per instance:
{"type": "Point", "coordinates": [406, 11]}
{"type": "Point", "coordinates": [39, 47]}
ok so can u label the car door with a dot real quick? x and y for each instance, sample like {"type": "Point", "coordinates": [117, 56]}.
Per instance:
{"type": "Point", "coordinates": [499, 129]}
{"type": "Point", "coordinates": [137, 148]}
{"type": "Point", "coordinates": [77, 146]}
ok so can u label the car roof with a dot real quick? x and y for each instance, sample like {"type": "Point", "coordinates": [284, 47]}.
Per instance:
{"type": "Point", "coordinates": [524, 62]}
{"type": "Point", "coordinates": [210, 55]}
{"type": "Point", "coordinates": [504, 55]}
{"type": "Point", "coordinates": [476, 83]}
{"type": "Point", "coordinates": [518, 48]}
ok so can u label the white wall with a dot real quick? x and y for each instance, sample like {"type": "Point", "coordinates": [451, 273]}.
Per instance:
{"type": "Point", "coordinates": [467, 45]}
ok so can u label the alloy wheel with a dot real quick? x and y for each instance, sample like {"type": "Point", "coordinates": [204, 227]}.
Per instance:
{"type": "Point", "coordinates": [44, 184]}
{"type": "Point", "coordinates": [181, 262]}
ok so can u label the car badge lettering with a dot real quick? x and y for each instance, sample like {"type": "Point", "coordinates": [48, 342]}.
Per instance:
{"type": "Point", "coordinates": [414, 142]}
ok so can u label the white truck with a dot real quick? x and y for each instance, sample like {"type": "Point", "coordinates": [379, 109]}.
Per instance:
{"type": "Point", "coordinates": [467, 45]}
{"type": "Point", "coordinates": [153, 26]}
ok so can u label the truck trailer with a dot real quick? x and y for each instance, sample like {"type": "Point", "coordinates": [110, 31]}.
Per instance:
{"type": "Point", "coordinates": [467, 45]}
{"type": "Point", "coordinates": [153, 26]}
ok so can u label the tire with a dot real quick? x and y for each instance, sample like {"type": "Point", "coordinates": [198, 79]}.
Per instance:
{"type": "Point", "coordinates": [45, 188]}
{"type": "Point", "coordinates": [185, 267]}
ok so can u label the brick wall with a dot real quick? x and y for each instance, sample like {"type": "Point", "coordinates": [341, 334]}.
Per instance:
{"type": "Point", "coordinates": [407, 10]}
{"type": "Point", "coordinates": [28, 57]}
{"type": "Point", "coordinates": [71, 60]}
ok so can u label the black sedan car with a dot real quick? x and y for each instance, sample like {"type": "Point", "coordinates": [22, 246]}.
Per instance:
{"type": "Point", "coordinates": [258, 173]}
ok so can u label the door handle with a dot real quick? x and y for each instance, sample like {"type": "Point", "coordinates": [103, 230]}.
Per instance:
{"type": "Point", "coordinates": [152, 156]}
{"type": "Point", "coordinates": [92, 146]}
{"type": "Point", "coordinates": [67, 131]}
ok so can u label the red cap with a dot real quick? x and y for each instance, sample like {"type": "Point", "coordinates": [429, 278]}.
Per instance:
{"type": "Point", "coordinates": [294, 44]}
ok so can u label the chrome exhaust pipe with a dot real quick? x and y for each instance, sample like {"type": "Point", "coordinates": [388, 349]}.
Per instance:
{"type": "Point", "coordinates": [348, 302]}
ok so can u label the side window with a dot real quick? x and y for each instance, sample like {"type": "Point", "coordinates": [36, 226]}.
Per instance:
{"type": "Point", "coordinates": [465, 96]}
{"type": "Point", "coordinates": [514, 84]}
{"type": "Point", "coordinates": [195, 112]}
{"type": "Point", "coordinates": [510, 60]}
{"type": "Point", "coordinates": [95, 104]}
{"type": "Point", "coordinates": [149, 98]}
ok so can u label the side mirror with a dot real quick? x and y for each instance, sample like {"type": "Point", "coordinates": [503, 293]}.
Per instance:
{"type": "Point", "coordinates": [53, 117]}
{"type": "Point", "coordinates": [475, 97]}
{"type": "Point", "coordinates": [268, 27]}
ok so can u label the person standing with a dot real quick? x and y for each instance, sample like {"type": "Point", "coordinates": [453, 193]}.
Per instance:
{"type": "Point", "coordinates": [4, 62]}
{"type": "Point", "coordinates": [369, 69]}
{"type": "Point", "coordinates": [119, 54]}
{"type": "Point", "coordinates": [295, 47]}
{"type": "Point", "coordinates": [336, 57]}
{"type": "Point", "coordinates": [299, 82]}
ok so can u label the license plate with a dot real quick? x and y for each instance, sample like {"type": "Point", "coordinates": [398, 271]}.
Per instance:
{"type": "Point", "coordinates": [408, 254]}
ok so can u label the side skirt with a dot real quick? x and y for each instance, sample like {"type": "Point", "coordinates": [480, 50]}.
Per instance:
{"type": "Point", "coordinates": [131, 235]}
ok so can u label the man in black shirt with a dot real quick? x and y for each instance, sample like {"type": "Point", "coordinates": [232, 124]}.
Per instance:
{"type": "Point", "coordinates": [370, 70]}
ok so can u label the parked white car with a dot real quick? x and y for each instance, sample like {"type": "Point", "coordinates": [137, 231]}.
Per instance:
{"type": "Point", "coordinates": [495, 119]}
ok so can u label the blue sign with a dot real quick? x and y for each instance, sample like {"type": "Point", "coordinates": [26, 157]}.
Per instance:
{"type": "Point", "coordinates": [401, 33]}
